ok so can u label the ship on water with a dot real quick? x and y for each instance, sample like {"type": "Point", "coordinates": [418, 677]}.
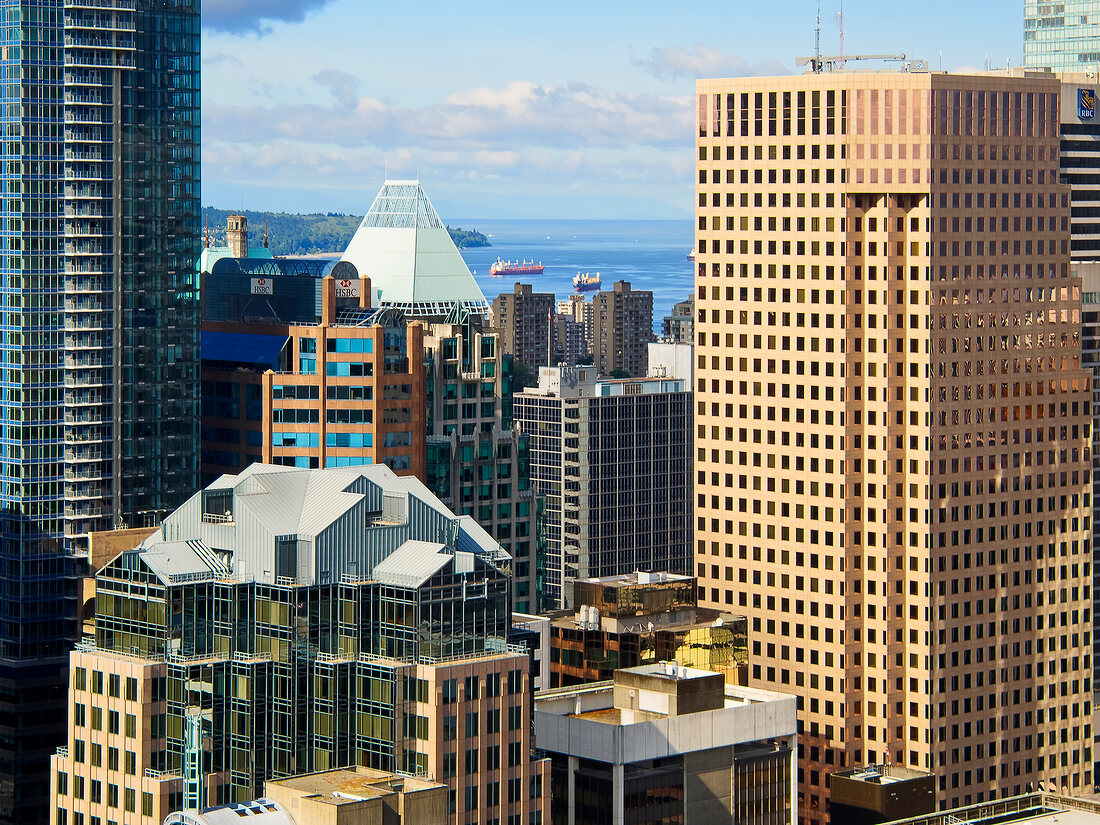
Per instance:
{"type": "Point", "coordinates": [501, 268]}
{"type": "Point", "coordinates": [583, 282]}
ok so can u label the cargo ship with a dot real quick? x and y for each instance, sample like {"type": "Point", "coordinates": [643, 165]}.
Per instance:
{"type": "Point", "coordinates": [501, 268]}
{"type": "Point", "coordinates": [585, 282]}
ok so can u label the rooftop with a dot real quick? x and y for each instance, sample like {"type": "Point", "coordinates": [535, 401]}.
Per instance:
{"type": "Point", "coordinates": [272, 523]}
{"type": "Point", "coordinates": [1039, 808]}
{"type": "Point", "coordinates": [882, 774]}
{"type": "Point", "coordinates": [349, 785]}
{"type": "Point", "coordinates": [637, 577]}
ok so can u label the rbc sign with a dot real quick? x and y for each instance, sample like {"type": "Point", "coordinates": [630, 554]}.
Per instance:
{"type": "Point", "coordinates": [1086, 104]}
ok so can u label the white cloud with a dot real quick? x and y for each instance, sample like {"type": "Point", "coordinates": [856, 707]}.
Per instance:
{"type": "Point", "coordinates": [670, 62]}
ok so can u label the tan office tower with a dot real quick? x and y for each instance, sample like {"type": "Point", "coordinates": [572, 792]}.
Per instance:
{"type": "Point", "coordinates": [892, 422]}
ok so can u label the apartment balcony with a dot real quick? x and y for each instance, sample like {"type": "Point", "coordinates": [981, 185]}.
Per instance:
{"type": "Point", "coordinates": [89, 380]}
{"type": "Point", "coordinates": [88, 472]}
{"type": "Point", "coordinates": [85, 417]}
{"type": "Point", "coordinates": [96, 59]}
{"type": "Point", "coordinates": [86, 491]}
{"type": "Point", "coordinates": [86, 267]}
{"type": "Point", "coordinates": [89, 397]}
{"type": "Point", "coordinates": [89, 509]}
{"type": "Point", "coordinates": [88, 193]}
{"type": "Point", "coordinates": [85, 100]}
{"type": "Point", "coordinates": [89, 342]}
{"type": "Point", "coordinates": [111, 5]}
{"type": "Point", "coordinates": [86, 248]}
{"type": "Point", "coordinates": [78, 286]}
{"type": "Point", "coordinates": [75, 455]}
{"type": "Point", "coordinates": [85, 362]}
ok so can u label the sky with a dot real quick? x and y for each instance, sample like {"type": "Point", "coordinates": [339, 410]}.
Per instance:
{"type": "Point", "coordinates": [551, 110]}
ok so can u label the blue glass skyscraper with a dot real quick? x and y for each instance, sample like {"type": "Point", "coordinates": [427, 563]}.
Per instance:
{"type": "Point", "coordinates": [99, 231]}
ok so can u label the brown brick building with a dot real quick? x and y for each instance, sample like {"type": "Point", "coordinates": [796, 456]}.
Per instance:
{"type": "Point", "coordinates": [622, 328]}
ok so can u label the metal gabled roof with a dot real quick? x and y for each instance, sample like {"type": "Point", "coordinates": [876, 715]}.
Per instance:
{"type": "Point", "coordinates": [412, 564]}
{"type": "Point", "coordinates": [405, 249]}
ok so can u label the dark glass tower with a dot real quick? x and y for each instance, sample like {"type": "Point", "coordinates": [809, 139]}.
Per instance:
{"type": "Point", "coordinates": [99, 211]}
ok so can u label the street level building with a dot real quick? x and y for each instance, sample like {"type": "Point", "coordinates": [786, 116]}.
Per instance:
{"type": "Point", "coordinates": [613, 460]}
{"type": "Point", "coordinates": [642, 619]}
{"type": "Point", "coordinates": [622, 327]}
{"type": "Point", "coordinates": [99, 226]}
{"type": "Point", "coordinates": [664, 743]}
{"type": "Point", "coordinates": [287, 621]}
{"type": "Point", "coordinates": [892, 443]}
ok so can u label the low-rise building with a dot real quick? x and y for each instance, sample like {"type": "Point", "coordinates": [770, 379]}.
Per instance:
{"type": "Point", "coordinates": [641, 619]}
{"type": "Point", "coordinates": [360, 796]}
{"type": "Point", "coordinates": [350, 796]}
{"type": "Point", "coordinates": [875, 794]}
{"type": "Point", "coordinates": [664, 743]}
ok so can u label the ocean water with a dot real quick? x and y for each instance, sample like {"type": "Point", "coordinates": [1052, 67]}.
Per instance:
{"type": "Point", "coordinates": [649, 254]}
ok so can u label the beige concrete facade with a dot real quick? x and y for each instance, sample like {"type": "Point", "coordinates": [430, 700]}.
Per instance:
{"type": "Point", "coordinates": [476, 738]}
{"type": "Point", "coordinates": [892, 443]}
{"type": "Point", "coordinates": [112, 770]}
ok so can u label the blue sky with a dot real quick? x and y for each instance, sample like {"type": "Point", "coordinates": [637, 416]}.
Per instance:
{"type": "Point", "coordinates": [516, 110]}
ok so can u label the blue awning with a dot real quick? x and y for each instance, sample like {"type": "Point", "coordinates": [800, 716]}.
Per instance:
{"type": "Point", "coordinates": [243, 348]}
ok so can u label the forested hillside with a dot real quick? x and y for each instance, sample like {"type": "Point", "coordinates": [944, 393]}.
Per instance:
{"type": "Point", "coordinates": [308, 234]}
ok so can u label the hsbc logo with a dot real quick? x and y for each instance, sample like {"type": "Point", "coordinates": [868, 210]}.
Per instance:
{"type": "Point", "coordinates": [347, 288]}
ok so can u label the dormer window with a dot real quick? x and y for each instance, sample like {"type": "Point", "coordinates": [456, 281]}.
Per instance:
{"type": "Point", "coordinates": [217, 506]}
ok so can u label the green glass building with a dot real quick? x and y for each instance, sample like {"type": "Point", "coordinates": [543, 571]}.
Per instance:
{"type": "Point", "coordinates": [99, 212]}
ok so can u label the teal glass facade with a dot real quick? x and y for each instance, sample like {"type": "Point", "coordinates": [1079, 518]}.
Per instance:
{"type": "Point", "coordinates": [1064, 37]}
{"type": "Point", "coordinates": [99, 230]}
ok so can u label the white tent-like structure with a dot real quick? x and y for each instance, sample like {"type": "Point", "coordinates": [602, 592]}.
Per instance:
{"type": "Point", "coordinates": [406, 251]}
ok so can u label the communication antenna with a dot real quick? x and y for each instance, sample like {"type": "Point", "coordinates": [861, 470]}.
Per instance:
{"type": "Point", "coordinates": [265, 231]}
{"type": "Point", "coordinates": [817, 37]}
{"type": "Point", "coordinates": [840, 24]}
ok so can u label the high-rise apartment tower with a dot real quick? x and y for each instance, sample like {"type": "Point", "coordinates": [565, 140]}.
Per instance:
{"type": "Point", "coordinates": [892, 421]}
{"type": "Point", "coordinates": [99, 220]}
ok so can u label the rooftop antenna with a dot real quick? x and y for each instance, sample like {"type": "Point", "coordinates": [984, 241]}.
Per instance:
{"type": "Point", "coordinates": [265, 231]}
{"type": "Point", "coordinates": [206, 240]}
{"type": "Point", "coordinates": [840, 23]}
{"type": "Point", "coordinates": [817, 40]}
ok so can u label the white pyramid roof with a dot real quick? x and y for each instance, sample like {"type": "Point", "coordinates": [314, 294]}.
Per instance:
{"type": "Point", "coordinates": [406, 251]}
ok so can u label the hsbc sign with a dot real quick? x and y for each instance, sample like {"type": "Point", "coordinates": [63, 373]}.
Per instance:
{"type": "Point", "coordinates": [347, 288]}
{"type": "Point", "coordinates": [262, 286]}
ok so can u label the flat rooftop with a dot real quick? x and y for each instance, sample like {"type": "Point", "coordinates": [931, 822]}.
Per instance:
{"type": "Point", "coordinates": [1040, 808]}
{"type": "Point", "coordinates": [349, 785]}
{"type": "Point", "coordinates": [882, 774]}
